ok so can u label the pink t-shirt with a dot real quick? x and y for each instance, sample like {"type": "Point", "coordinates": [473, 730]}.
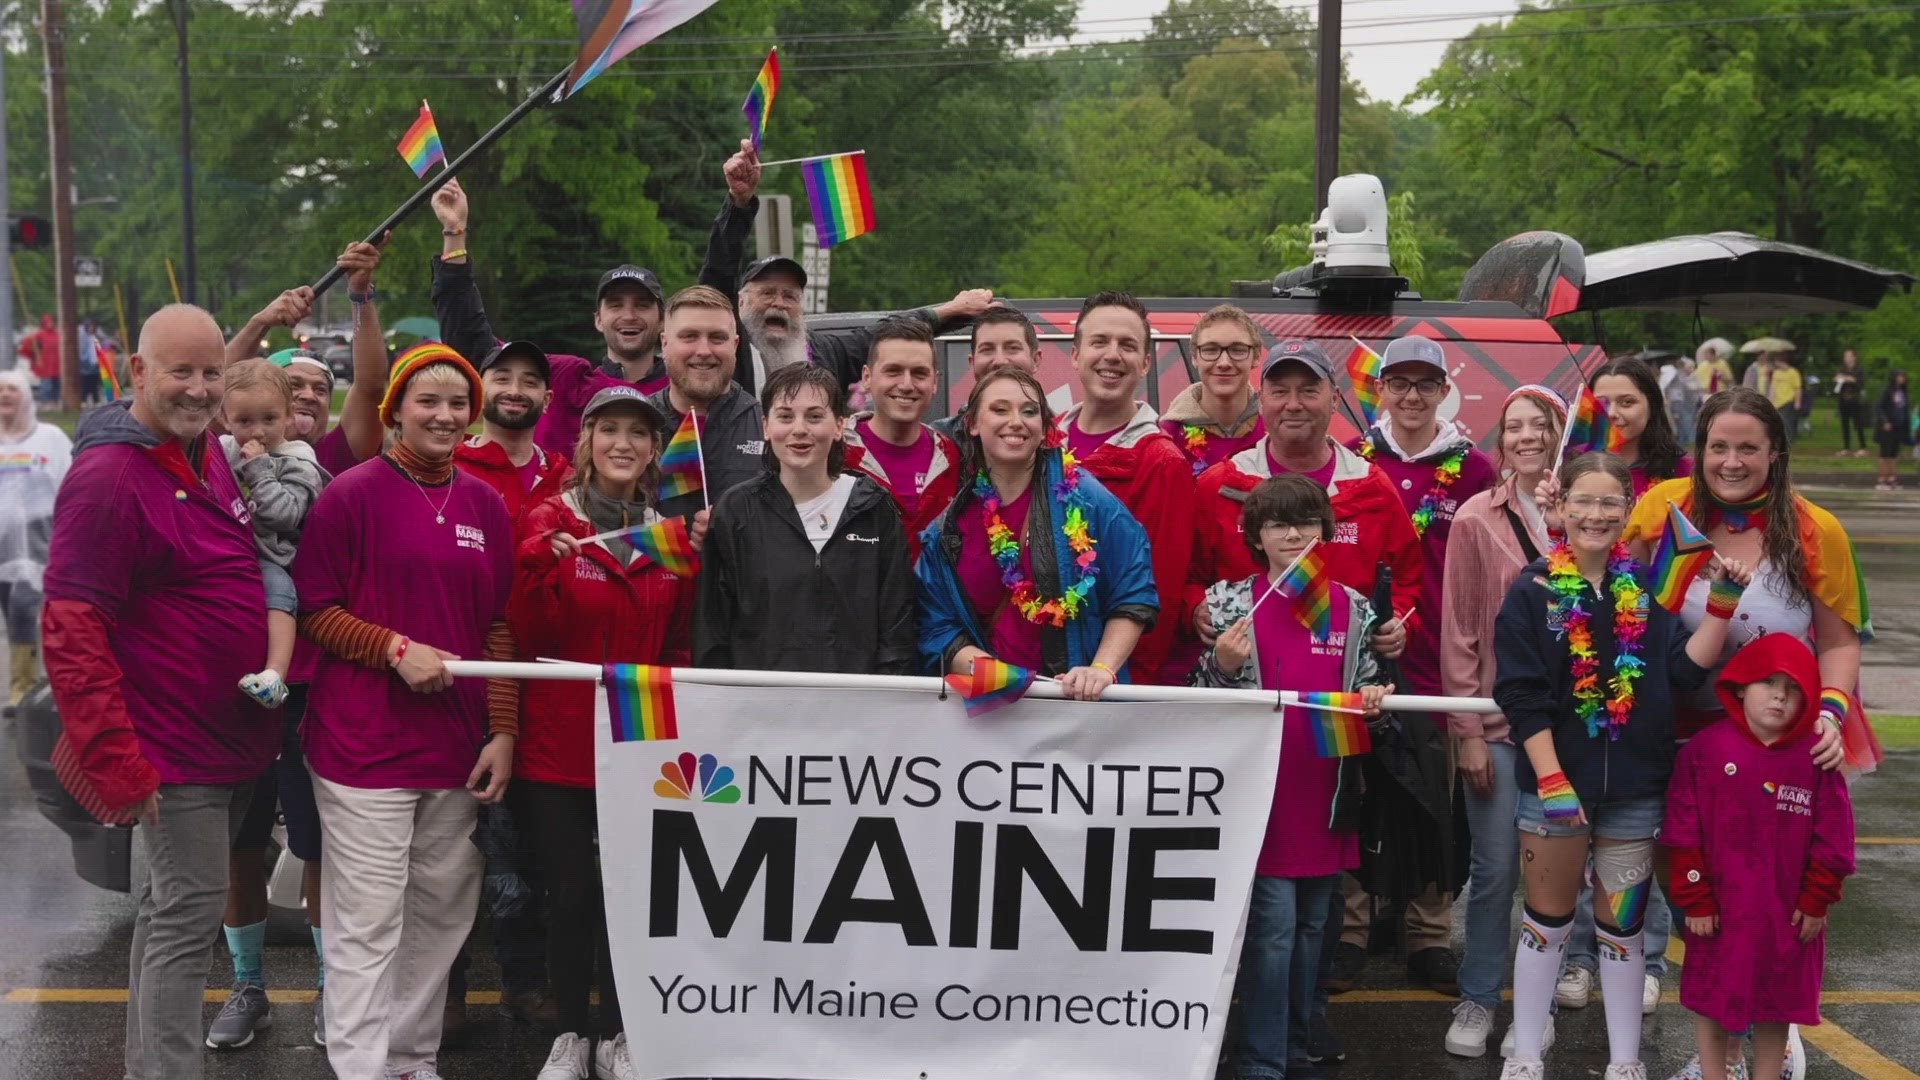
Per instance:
{"type": "Point", "coordinates": [1322, 475]}
{"type": "Point", "coordinates": [530, 473]}
{"type": "Point", "coordinates": [372, 546]}
{"type": "Point", "coordinates": [336, 457]}
{"type": "Point", "coordinates": [1298, 842]}
{"type": "Point", "coordinates": [1011, 638]}
{"type": "Point", "coordinates": [906, 467]}
{"type": "Point", "coordinates": [1082, 444]}
{"type": "Point", "coordinates": [1214, 447]}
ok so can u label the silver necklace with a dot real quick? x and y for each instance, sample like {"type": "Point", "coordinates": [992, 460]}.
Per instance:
{"type": "Point", "coordinates": [439, 512]}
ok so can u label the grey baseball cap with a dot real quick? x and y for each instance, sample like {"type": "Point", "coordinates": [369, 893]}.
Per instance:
{"type": "Point", "coordinates": [1300, 351]}
{"type": "Point", "coordinates": [1413, 350]}
{"type": "Point", "coordinates": [629, 397]}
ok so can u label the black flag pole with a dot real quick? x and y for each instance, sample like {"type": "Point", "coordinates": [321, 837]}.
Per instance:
{"type": "Point", "coordinates": [425, 192]}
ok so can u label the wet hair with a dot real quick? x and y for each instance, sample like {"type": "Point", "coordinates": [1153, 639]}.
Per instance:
{"type": "Point", "coordinates": [1115, 298]}
{"type": "Point", "coordinates": [584, 473]}
{"type": "Point", "coordinates": [1232, 316]}
{"type": "Point", "coordinates": [257, 374]}
{"type": "Point", "coordinates": [1596, 461]}
{"type": "Point", "coordinates": [1289, 499]}
{"type": "Point", "coordinates": [899, 329]}
{"type": "Point", "coordinates": [1002, 315]}
{"type": "Point", "coordinates": [973, 457]}
{"type": "Point", "coordinates": [1780, 540]}
{"type": "Point", "coordinates": [1659, 448]}
{"type": "Point", "coordinates": [787, 384]}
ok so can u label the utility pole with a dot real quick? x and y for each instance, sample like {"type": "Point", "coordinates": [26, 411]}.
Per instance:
{"type": "Point", "coordinates": [60, 166]}
{"type": "Point", "coordinates": [1326, 112]}
{"type": "Point", "coordinates": [6, 246]}
{"type": "Point", "coordinates": [187, 260]}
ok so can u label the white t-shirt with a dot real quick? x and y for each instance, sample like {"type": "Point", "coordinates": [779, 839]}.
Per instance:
{"type": "Point", "coordinates": [820, 514]}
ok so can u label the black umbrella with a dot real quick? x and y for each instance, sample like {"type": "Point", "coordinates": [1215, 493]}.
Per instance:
{"type": "Point", "coordinates": [1733, 275]}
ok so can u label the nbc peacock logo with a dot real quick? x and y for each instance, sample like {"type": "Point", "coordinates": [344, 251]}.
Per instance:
{"type": "Point", "coordinates": [700, 779]}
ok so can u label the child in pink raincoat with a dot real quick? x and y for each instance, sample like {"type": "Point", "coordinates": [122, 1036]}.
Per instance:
{"type": "Point", "coordinates": [1761, 839]}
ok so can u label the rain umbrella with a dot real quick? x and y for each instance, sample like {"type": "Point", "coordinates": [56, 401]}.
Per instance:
{"type": "Point", "coordinates": [418, 325]}
{"type": "Point", "coordinates": [1767, 345]}
{"type": "Point", "coordinates": [1732, 275]}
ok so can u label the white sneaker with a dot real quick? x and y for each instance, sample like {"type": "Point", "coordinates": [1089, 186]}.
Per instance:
{"type": "Point", "coordinates": [266, 688]}
{"type": "Point", "coordinates": [568, 1059]}
{"type": "Point", "coordinates": [425, 1072]}
{"type": "Point", "coordinates": [1626, 1070]}
{"type": "Point", "coordinates": [1467, 1035]}
{"type": "Point", "coordinates": [1650, 995]}
{"type": "Point", "coordinates": [610, 1061]}
{"type": "Point", "coordinates": [1523, 1070]}
{"type": "Point", "coordinates": [1692, 1070]}
{"type": "Point", "coordinates": [1546, 1039]}
{"type": "Point", "coordinates": [1574, 989]}
{"type": "Point", "coordinates": [1795, 1066]}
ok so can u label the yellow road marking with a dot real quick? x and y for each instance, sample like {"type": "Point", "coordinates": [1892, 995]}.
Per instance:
{"type": "Point", "coordinates": [1856, 1056]}
{"type": "Point", "coordinates": [1886, 839]}
{"type": "Point", "coordinates": [1676, 951]}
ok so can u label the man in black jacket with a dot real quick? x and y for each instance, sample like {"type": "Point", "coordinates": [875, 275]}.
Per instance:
{"type": "Point", "coordinates": [699, 343]}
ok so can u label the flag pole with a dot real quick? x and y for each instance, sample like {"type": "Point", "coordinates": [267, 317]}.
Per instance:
{"type": "Point", "coordinates": [700, 455]}
{"type": "Point", "coordinates": [804, 160]}
{"type": "Point", "coordinates": [426, 190]}
{"type": "Point", "coordinates": [1273, 588]}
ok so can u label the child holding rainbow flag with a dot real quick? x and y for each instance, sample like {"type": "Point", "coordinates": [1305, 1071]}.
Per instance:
{"type": "Point", "coordinates": [1321, 629]}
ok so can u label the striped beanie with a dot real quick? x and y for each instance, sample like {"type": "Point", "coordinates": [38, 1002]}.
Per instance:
{"type": "Point", "coordinates": [411, 363]}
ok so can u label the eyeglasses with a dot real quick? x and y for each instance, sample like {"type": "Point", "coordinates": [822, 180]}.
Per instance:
{"type": "Point", "coordinates": [775, 292]}
{"type": "Point", "coordinates": [1610, 504]}
{"type": "Point", "coordinates": [1428, 388]}
{"type": "Point", "coordinates": [1239, 354]}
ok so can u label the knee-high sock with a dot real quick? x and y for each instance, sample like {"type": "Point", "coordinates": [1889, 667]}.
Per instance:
{"type": "Point", "coordinates": [246, 943]}
{"type": "Point", "coordinates": [1623, 968]}
{"type": "Point", "coordinates": [1536, 966]}
{"type": "Point", "coordinates": [319, 961]}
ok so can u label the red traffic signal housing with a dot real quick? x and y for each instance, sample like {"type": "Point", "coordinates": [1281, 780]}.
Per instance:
{"type": "Point", "coordinates": [29, 231]}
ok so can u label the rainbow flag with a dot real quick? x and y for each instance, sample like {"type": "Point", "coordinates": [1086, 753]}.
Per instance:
{"type": "Point", "coordinates": [610, 29]}
{"type": "Point", "coordinates": [838, 192]}
{"type": "Point", "coordinates": [680, 469]}
{"type": "Point", "coordinates": [1340, 734]}
{"type": "Point", "coordinates": [1338, 701]}
{"type": "Point", "coordinates": [992, 685]}
{"type": "Point", "coordinates": [1308, 584]}
{"type": "Point", "coordinates": [640, 702]}
{"type": "Point", "coordinates": [1363, 367]}
{"type": "Point", "coordinates": [1590, 428]}
{"type": "Point", "coordinates": [420, 146]}
{"type": "Point", "coordinates": [760, 98]}
{"type": "Point", "coordinates": [668, 543]}
{"type": "Point", "coordinates": [1682, 553]}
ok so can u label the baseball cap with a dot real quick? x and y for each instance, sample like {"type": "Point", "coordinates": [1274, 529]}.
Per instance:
{"type": "Point", "coordinates": [773, 262]}
{"type": "Point", "coordinates": [289, 357]}
{"type": "Point", "coordinates": [508, 350]}
{"type": "Point", "coordinates": [1305, 352]}
{"type": "Point", "coordinates": [629, 272]}
{"type": "Point", "coordinates": [609, 396]}
{"type": "Point", "coordinates": [1413, 350]}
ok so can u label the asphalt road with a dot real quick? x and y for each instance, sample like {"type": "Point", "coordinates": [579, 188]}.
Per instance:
{"type": "Point", "coordinates": [63, 943]}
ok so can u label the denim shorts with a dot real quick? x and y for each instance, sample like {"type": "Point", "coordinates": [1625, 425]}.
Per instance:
{"type": "Point", "coordinates": [280, 594]}
{"type": "Point", "coordinates": [1636, 818]}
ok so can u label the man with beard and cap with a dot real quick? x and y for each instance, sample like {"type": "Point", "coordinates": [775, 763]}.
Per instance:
{"type": "Point", "coordinates": [514, 379]}
{"type": "Point", "coordinates": [769, 293]}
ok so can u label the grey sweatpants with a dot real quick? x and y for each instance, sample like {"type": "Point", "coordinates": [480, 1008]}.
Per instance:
{"type": "Point", "coordinates": [183, 892]}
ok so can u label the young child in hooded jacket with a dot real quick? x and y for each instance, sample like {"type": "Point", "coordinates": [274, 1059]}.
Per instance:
{"type": "Point", "coordinates": [1761, 838]}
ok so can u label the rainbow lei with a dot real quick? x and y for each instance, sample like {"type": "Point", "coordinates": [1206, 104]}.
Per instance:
{"type": "Point", "coordinates": [1005, 548]}
{"type": "Point", "coordinates": [1629, 626]}
{"type": "Point", "coordinates": [1443, 477]}
{"type": "Point", "coordinates": [1196, 446]}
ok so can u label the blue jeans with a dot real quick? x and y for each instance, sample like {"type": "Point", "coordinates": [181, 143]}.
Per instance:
{"type": "Point", "coordinates": [1583, 949]}
{"type": "Point", "coordinates": [1279, 967]}
{"type": "Point", "coordinates": [1496, 875]}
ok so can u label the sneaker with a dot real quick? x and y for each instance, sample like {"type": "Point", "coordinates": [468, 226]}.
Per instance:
{"type": "Point", "coordinates": [1625, 1070]}
{"type": "Point", "coordinates": [1692, 1070]}
{"type": "Point", "coordinates": [245, 1013]}
{"type": "Point", "coordinates": [1650, 995]}
{"type": "Point", "coordinates": [320, 1019]}
{"type": "Point", "coordinates": [610, 1061]}
{"type": "Point", "coordinates": [1523, 1070]}
{"type": "Point", "coordinates": [1322, 1044]}
{"type": "Point", "coordinates": [1574, 989]}
{"type": "Point", "coordinates": [1348, 961]}
{"type": "Point", "coordinates": [265, 688]}
{"type": "Point", "coordinates": [1467, 1035]}
{"type": "Point", "coordinates": [1794, 1067]}
{"type": "Point", "coordinates": [1737, 1069]}
{"type": "Point", "coordinates": [425, 1072]}
{"type": "Point", "coordinates": [1546, 1039]}
{"type": "Point", "coordinates": [1435, 969]}
{"type": "Point", "coordinates": [568, 1060]}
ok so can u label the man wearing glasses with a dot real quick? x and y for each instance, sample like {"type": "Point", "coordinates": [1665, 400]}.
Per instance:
{"type": "Point", "coordinates": [1217, 417]}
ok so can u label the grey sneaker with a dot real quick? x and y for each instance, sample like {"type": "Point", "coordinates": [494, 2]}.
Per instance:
{"type": "Point", "coordinates": [245, 1013]}
{"type": "Point", "coordinates": [320, 1019]}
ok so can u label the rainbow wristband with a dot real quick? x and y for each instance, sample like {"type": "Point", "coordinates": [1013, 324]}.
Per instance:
{"type": "Point", "coordinates": [1835, 704]}
{"type": "Point", "coordinates": [1557, 798]}
{"type": "Point", "coordinates": [1723, 597]}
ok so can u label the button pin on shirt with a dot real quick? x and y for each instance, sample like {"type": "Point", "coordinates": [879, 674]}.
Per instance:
{"type": "Point", "coordinates": [179, 495]}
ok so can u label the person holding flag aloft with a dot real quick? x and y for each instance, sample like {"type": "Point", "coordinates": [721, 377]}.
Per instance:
{"type": "Point", "coordinates": [1270, 636]}
{"type": "Point", "coordinates": [893, 444]}
{"type": "Point", "coordinates": [726, 432]}
{"type": "Point", "coordinates": [1035, 563]}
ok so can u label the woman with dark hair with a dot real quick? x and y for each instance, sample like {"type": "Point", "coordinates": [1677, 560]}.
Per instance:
{"type": "Point", "coordinates": [805, 567]}
{"type": "Point", "coordinates": [1630, 391]}
{"type": "Point", "coordinates": [598, 602]}
{"type": "Point", "coordinates": [1893, 428]}
{"type": "Point", "coordinates": [1034, 563]}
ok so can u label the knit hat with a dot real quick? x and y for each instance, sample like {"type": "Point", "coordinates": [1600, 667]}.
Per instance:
{"type": "Point", "coordinates": [1546, 396]}
{"type": "Point", "coordinates": [1774, 654]}
{"type": "Point", "coordinates": [411, 363]}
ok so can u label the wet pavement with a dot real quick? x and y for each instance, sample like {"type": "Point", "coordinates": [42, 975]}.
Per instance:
{"type": "Point", "coordinates": [63, 943]}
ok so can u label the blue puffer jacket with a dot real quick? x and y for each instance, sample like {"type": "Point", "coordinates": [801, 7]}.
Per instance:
{"type": "Point", "coordinates": [1123, 588]}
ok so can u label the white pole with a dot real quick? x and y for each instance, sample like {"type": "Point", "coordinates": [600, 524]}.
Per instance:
{"type": "Point", "coordinates": [803, 160]}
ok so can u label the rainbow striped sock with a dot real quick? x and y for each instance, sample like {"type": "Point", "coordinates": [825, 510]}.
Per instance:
{"type": "Point", "coordinates": [1557, 798]}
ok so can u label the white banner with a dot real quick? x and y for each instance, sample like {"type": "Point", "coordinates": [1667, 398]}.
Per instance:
{"type": "Point", "coordinates": [857, 884]}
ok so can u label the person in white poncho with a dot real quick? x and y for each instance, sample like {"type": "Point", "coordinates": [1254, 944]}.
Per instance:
{"type": "Point", "coordinates": [33, 460]}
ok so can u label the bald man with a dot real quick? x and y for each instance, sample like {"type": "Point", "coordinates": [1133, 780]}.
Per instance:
{"type": "Point", "coordinates": [155, 609]}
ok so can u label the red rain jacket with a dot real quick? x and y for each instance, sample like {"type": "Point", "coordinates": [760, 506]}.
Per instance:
{"type": "Point", "coordinates": [943, 480]}
{"type": "Point", "coordinates": [488, 462]}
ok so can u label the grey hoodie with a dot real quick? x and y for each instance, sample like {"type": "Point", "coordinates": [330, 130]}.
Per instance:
{"type": "Point", "coordinates": [280, 487]}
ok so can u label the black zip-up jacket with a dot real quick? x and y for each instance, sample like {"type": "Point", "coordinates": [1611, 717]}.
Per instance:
{"type": "Point", "coordinates": [768, 602]}
{"type": "Point", "coordinates": [1533, 686]}
{"type": "Point", "coordinates": [732, 446]}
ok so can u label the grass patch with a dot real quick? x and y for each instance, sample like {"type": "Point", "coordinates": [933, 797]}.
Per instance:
{"type": "Point", "coordinates": [1897, 732]}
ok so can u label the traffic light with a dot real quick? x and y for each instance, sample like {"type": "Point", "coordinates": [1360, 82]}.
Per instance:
{"type": "Point", "coordinates": [29, 231]}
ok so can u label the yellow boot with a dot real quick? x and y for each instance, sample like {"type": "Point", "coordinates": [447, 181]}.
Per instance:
{"type": "Point", "coordinates": [25, 662]}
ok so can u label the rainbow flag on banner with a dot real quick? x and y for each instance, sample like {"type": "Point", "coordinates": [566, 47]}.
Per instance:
{"type": "Point", "coordinates": [1590, 428]}
{"type": "Point", "coordinates": [420, 146]}
{"type": "Point", "coordinates": [680, 471]}
{"type": "Point", "coordinates": [1340, 734]}
{"type": "Point", "coordinates": [838, 192]}
{"type": "Point", "coordinates": [640, 702]}
{"type": "Point", "coordinates": [992, 685]}
{"type": "Point", "coordinates": [610, 29]}
{"type": "Point", "coordinates": [1309, 585]}
{"type": "Point", "coordinates": [760, 97]}
{"type": "Point", "coordinates": [1363, 367]}
{"type": "Point", "coordinates": [1682, 553]}
{"type": "Point", "coordinates": [668, 543]}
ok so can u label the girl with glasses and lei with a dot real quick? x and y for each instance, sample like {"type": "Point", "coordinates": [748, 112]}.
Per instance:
{"type": "Point", "coordinates": [1630, 392]}
{"type": "Point", "coordinates": [1034, 563]}
{"type": "Point", "coordinates": [1588, 664]}
{"type": "Point", "coordinates": [1217, 417]}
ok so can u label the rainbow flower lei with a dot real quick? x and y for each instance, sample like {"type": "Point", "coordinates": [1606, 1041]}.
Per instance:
{"type": "Point", "coordinates": [1629, 627]}
{"type": "Point", "coordinates": [1443, 477]}
{"type": "Point", "coordinates": [1005, 548]}
{"type": "Point", "coordinates": [1196, 446]}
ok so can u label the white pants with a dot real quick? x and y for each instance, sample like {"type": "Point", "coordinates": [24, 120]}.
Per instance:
{"type": "Point", "coordinates": [399, 888]}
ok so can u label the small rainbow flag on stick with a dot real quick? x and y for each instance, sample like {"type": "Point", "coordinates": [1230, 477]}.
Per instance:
{"type": "Point", "coordinates": [1590, 428]}
{"type": "Point", "coordinates": [421, 144]}
{"type": "Point", "coordinates": [668, 543]}
{"type": "Point", "coordinates": [1338, 733]}
{"type": "Point", "coordinates": [760, 98]}
{"type": "Point", "coordinates": [838, 192]}
{"type": "Point", "coordinates": [681, 470]}
{"type": "Point", "coordinates": [640, 702]}
{"type": "Point", "coordinates": [1363, 367]}
{"type": "Point", "coordinates": [1310, 587]}
{"type": "Point", "coordinates": [1682, 553]}
{"type": "Point", "coordinates": [992, 685]}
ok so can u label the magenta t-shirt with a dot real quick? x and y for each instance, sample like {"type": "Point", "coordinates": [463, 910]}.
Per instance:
{"type": "Point", "coordinates": [372, 546]}
{"type": "Point", "coordinates": [1322, 475]}
{"type": "Point", "coordinates": [333, 453]}
{"type": "Point", "coordinates": [1214, 447]}
{"type": "Point", "coordinates": [530, 473]}
{"type": "Point", "coordinates": [1011, 638]}
{"type": "Point", "coordinates": [1642, 480]}
{"type": "Point", "coordinates": [906, 467]}
{"type": "Point", "coordinates": [1082, 444]}
{"type": "Point", "coordinates": [1299, 844]}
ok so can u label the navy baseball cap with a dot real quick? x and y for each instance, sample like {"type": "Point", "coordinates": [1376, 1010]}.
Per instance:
{"type": "Point", "coordinates": [1413, 350]}
{"type": "Point", "coordinates": [773, 262]}
{"type": "Point", "coordinates": [518, 350]}
{"type": "Point", "coordinates": [629, 272]}
{"type": "Point", "coordinates": [1300, 351]}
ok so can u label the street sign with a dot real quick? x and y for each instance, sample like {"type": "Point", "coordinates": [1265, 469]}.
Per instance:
{"type": "Point", "coordinates": [773, 227]}
{"type": "Point", "coordinates": [817, 261]}
{"type": "Point", "coordinates": [88, 272]}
